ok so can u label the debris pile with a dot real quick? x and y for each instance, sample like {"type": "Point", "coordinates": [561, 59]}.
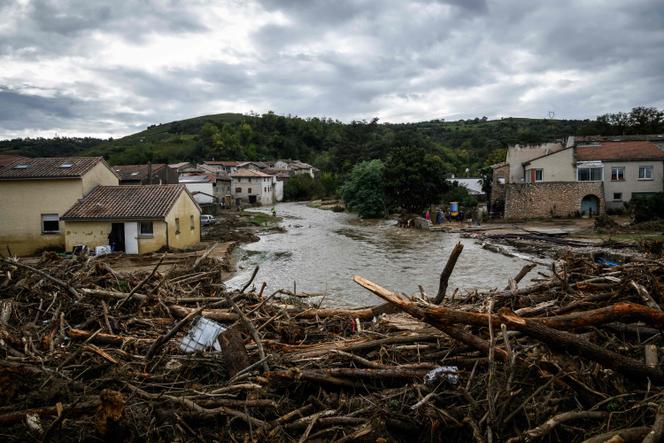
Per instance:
{"type": "Point", "coordinates": [90, 353]}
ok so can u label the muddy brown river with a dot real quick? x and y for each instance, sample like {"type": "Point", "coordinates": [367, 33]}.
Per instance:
{"type": "Point", "coordinates": [321, 251]}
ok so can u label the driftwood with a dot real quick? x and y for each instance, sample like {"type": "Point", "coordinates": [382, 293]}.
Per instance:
{"type": "Point", "coordinates": [447, 272]}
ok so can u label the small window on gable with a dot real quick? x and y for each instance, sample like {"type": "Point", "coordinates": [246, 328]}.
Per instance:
{"type": "Point", "coordinates": [177, 225]}
{"type": "Point", "coordinates": [50, 223]}
{"type": "Point", "coordinates": [191, 222]}
{"type": "Point", "coordinates": [146, 228]}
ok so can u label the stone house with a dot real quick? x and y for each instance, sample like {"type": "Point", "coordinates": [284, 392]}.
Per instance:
{"type": "Point", "coordinates": [584, 177]}
{"type": "Point", "coordinates": [36, 192]}
{"type": "Point", "coordinates": [150, 174]}
{"type": "Point", "coordinates": [136, 219]}
{"type": "Point", "coordinates": [253, 187]}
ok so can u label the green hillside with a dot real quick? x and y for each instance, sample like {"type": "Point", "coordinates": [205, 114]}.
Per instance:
{"type": "Point", "coordinates": [330, 144]}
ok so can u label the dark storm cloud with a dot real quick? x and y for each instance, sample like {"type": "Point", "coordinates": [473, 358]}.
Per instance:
{"type": "Point", "coordinates": [397, 59]}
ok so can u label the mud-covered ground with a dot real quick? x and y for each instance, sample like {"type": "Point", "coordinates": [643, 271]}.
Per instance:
{"type": "Point", "coordinates": [240, 226]}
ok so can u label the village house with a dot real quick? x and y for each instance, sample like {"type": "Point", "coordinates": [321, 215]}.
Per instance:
{"type": "Point", "coordinates": [295, 167]}
{"type": "Point", "coordinates": [201, 186]}
{"type": "Point", "coordinates": [253, 187]}
{"type": "Point", "coordinates": [223, 166]}
{"type": "Point", "coordinates": [582, 176]}
{"type": "Point", "coordinates": [136, 219]}
{"type": "Point", "coordinates": [36, 192]}
{"type": "Point", "coordinates": [150, 174]}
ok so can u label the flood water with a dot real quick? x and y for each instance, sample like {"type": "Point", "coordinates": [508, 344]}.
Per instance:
{"type": "Point", "coordinates": [322, 250]}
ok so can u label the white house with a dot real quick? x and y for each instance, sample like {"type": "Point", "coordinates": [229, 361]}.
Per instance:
{"type": "Point", "coordinates": [201, 187]}
{"type": "Point", "coordinates": [254, 187]}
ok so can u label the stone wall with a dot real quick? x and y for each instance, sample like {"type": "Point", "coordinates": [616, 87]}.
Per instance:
{"type": "Point", "coordinates": [498, 189]}
{"type": "Point", "coordinates": [560, 199]}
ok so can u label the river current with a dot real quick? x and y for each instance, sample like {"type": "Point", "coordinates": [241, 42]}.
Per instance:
{"type": "Point", "coordinates": [322, 250]}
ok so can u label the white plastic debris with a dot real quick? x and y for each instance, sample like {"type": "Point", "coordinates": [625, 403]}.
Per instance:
{"type": "Point", "coordinates": [202, 335]}
{"type": "Point", "coordinates": [448, 373]}
{"type": "Point", "coordinates": [103, 250]}
{"type": "Point", "coordinates": [34, 423]}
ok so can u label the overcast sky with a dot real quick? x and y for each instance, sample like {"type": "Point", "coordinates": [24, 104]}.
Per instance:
{"type": "Point", "coordinates": [87, 67]}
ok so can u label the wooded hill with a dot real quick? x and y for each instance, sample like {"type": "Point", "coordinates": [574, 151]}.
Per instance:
{"type": "Point", "coordinates": [328, 144]}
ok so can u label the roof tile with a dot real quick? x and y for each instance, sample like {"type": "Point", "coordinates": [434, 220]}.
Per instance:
{"type": "Point", "coordinates": [144, 202]}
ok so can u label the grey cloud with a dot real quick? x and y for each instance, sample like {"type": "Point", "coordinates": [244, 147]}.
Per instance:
{"type": "Point", "coordinates": [343, 59]}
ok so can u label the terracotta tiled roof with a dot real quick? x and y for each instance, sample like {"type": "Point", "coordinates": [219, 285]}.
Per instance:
{"type": "Point", "coordinates": [8, 159]}
{"type": "Point", "coordinates": [133, 202]}
{"type": "Point", "coordinates": [48, 167]}
{"type": "Point", "coordinates": [225, 163]}
{"type": "Point", "coordinates": [249, 173]}
{"type": "Point", "coordinates": [136, 172]}
{"type": "Point", "coordinates": [620, 151]}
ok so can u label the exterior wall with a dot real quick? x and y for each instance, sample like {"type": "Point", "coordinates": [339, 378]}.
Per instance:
{"type": "Point", "coordinates": [561, 199]}
{"type": "Point", "coordinates": [261, 187]}
{"type": "Point", "coordinates": [278, 187]}
{"type": "Point", "coordinates": [99, 175]}
{"type": "Point", "coordinates": [23, 202]}
{"type": "Point", "coordinates": [95, 233]}
{"type": "Point", "coordinates": [189, 235]}
{"type": "Point", "coordinates": [631, 183]}
{"type": "Point", "coordinates": [518, 154]}
{"type": "Point", "coordinates": [497, 188]}
{"type": "Point", "coordinates": [156, 241]}
{"type": "Point", "coordinates": [207, 188]}
{"type": "Point", "coordinates": [558, 167]}
{"type": "Point", "coordinates": [90, 234]}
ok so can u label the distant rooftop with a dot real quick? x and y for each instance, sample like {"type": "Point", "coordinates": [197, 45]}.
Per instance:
{"type": "Point", "coordinates": [249, 173]}
{"type": "Point", "coordinates": [137, 172]}
{"type": "Point", "coordinates": [197, 178]}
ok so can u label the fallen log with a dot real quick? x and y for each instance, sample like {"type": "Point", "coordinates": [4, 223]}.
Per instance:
{"type": "Point", "coordinates": [575, 344]}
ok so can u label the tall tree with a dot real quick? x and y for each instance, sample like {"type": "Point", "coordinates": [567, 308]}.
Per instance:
{"type": "Point", "coordinates": [414, 179]}
{"type": "Point", "coordinates": [363, 191]}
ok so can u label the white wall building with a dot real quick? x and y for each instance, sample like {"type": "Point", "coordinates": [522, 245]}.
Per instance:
{"type": "Point", "coordinates": [254, 187]}
{"type": "Point", "coordinates": [201, 187]}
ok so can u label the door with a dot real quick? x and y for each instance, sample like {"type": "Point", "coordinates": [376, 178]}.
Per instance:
{"type": "Point", "coordinates": [131, 237]}
{"type": "Point", "coordinates": [116, 237]}
{"type": "Point", "coordinates": [590, 205]}
{"type": "Point", "coordinates": [252, 199]}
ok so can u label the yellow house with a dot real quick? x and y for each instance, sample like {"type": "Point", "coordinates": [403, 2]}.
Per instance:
{"type": "Point", "coordinates": [136, 219]}
{"type": "Point", "coordinates": [35, 192]}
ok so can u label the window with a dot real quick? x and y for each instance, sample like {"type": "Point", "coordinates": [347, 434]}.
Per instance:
{"type": "Point", "coordinates": [589, 174]}
{"type": "Point", "coordinates": [191, 222]}
{"type": "Point", "coordinates": [145, 229]}
{"type": "Point", "coordinates": [249, 190]}
{"type": "Point", "coordinates": [501, 180]}
{"type": "Point", "coordinates": [50, 223]}
{"type": "Point", "coordinates": [177, 225]}
{"type": "Point", "coordinates": [238, 189]}
{"type": "Point", "coordinates": [617, 174]}
{"type": "Point", "coordinates": [617, 196]}
{"type": "Point", "coordinates": [538, 175]}
{"type": "Point", "coordinates": [645, 172]}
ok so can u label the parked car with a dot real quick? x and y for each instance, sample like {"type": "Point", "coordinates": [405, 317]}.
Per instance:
{"type": "Point", "coordinates": [208, 220]}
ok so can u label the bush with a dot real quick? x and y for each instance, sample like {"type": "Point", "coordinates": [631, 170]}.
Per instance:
{"type": "Point", "coordinates": [302, 187]}
{"type": "Point", "coordinates": [644, 208]}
